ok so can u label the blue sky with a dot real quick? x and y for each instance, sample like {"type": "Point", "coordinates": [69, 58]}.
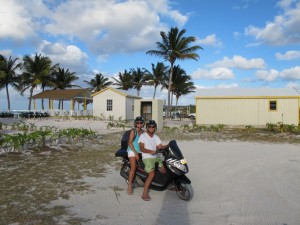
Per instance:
{"type": "Point", "coordinates": [246, 43]}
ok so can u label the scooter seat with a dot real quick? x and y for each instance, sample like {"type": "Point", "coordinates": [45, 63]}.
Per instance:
{"type": "Point", "coordinates": [121, 153]}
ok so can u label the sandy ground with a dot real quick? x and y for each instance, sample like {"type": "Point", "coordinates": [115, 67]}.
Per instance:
{"type": "Point", "coordinates": [235, 183]}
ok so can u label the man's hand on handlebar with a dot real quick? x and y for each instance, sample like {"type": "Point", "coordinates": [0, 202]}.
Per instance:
{"type": "Point", "coordinates": [161, 148]}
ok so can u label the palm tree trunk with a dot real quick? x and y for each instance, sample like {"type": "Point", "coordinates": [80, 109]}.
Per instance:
{"type": "Point", "coordinates": [176, 103]}
{"type": "Point", "coordinates": [169, 91]}
{"type": "Point", "coordinates": [7, 95]}
{"type": "Point", "coordinates": [30, 97]}
{"type": "Point", "coordinates": [172, 95]}
{"type": "Point", "coordinates": [154, 92]}
{"type": "Point", "coordinates": [43, 99]}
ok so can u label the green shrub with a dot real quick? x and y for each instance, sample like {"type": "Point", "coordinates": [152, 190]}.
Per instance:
{"type": "Point", "coordinates": [221, 127]}
{"type": "Point", "coordinates": [249, 128]}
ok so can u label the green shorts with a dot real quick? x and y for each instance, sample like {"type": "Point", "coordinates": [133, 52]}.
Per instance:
{"type": "Point", "coordinates": [150, 163]}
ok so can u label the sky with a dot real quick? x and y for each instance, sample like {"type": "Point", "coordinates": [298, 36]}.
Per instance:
{"type": "Point", "coordinates": [246, 43]}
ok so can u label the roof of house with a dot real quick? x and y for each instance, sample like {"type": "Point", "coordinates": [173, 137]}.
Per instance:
{"type": "Point", "coordinates": [118, 91]}
{"type": "Point", "coordinates": [65, 94]}
{"type": "Point", "coordinates": [247, 92]}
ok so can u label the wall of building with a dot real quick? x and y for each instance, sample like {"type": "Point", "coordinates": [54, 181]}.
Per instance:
{"type": "Point", "coordinates": [246, 111]}
{"type": "Point", "coordinates": [129, 108]}
{"type": "Point", "coordinates": [100, 104]}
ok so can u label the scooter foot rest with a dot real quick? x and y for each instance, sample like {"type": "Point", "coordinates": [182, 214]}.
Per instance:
{"type": "Point", "coordinates": [124, 174]}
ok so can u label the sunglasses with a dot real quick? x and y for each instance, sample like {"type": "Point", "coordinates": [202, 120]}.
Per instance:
{"type": "Point", "coordinates": [151, 126]}
{"type": "Point", "coordinates": [139, 123]}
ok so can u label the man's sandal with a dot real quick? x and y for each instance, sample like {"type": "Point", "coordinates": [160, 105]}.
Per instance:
{"type": "Point", "coordinates": [146, 198]}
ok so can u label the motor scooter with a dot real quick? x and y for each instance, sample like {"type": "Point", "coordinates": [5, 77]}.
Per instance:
{"type": "Point", "coordinates": [174, 179]}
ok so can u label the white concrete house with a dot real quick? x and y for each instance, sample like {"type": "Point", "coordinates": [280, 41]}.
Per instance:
{"type": "Point", "coordinates": [114, 102]}
{"type": "Point", "coordinates": [247, 106]}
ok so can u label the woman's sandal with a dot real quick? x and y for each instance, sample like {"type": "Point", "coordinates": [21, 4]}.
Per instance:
{"type": "Point", "coordinates": [146, 198]}
{"type": "Point", "coordinates": [129, 192]}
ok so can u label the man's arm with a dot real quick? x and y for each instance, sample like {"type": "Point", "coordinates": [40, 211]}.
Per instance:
{"type": "Point", "coordinates": [144, 150]}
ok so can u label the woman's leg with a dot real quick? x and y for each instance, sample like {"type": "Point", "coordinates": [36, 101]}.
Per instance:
{"type": "Point", "coordinates": [131, 174]}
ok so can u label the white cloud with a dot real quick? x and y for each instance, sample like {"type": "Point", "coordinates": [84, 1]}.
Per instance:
{"type": "Point", "coordinates": [104, 26]}
{"type": "Point", "coordinates": [233, 85]}
{"type": "Point", "coordinates": [293, 85]}
{"type": "Point", "coordinates": [210, 40]}
{"type": "Point", "coordinates": [267, 75]}
{"type": "Point", "coordinates": [272, 75]}
{"type": "Point", "coordinates": [14, 21]}
{"type": "Point", "coordinates": [285, 4]}
{"type": "Point", "coordinates": [218, 73]}
{"type": "Point", "coordinates": [239, 62]}
{"type": "Point", "coordinates": [289, 55]}
{"type": "Point", "coordinates": [110, 26]}
{"type": "Point", "coordinates": [162, 7]}
{"type": "Point", "coordinates": [178, 17]}
{"type": "Point", "coordinates": [6, 52]}
{"type": "Point", "coordinates": [291, 73]}
{"type": "Point", "coordinates": [68, 56]}
{"type": "Point", "coordinates": [284, 30]}
{"type": "Point", "coordinates": [237, 35]}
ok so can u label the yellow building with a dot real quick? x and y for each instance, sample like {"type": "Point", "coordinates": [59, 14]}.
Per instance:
{"type": "Point", "coordinates": [247, 106]}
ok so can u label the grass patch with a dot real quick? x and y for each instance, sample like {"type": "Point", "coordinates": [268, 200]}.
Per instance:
{"type": "Point", "coordinates": [29, 182]}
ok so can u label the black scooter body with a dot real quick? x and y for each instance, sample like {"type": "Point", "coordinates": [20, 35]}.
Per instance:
{"type": "Point", "coordinates": [174, 163]}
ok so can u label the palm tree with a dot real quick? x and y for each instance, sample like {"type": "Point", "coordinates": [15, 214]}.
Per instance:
{"type": "Point", "coordinates": [48, 80]}
{"type": "Point", "coordinates": [9, 76]}
{"type": "Point", "coordinates": [36, 69]}
{"type": "Point", "coordinates": [139, 78]}
{"type": "Point", "coordinates": [179, 75]}
{"type": "Point", "coordinates": [182, 86]}
{"type": "Point", "coordinates": [99, 82]}
{"type": "Point", "coordinates": [125, 81]}
{"type": "Point", "coordinates": [175, 46]}
{"type": "Point", "coordinates": [63, 79]}
{"type": "Point", "coordinates": [158, 75]}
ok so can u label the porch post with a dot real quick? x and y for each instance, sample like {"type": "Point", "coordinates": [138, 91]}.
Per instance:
{"type": "Point", "coordinates": [84, 102]}
{"type": "Point", "coordinates": [49, 103]}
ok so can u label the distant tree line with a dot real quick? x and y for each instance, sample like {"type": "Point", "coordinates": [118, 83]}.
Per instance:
{"type": "Point", "coordinates": [39, 71]}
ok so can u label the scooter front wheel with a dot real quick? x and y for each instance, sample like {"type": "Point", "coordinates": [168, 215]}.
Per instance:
{"type": "Point", "coordinates": [185, 191]}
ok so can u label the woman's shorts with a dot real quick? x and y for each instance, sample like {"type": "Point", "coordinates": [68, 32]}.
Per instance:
{"type": "Point", "coordinates": [131, 154]}
{"type": "Point", "coordinates": [150, 163]}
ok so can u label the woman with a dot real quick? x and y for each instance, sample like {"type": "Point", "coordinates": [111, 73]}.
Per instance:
{"type": "Point", "coordinates": [133, 150]}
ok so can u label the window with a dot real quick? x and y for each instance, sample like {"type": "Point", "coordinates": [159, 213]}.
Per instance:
{"type": "Point", "coordinates": [273, 105]}
{"type": "Point", "coordinates": [109, 104]}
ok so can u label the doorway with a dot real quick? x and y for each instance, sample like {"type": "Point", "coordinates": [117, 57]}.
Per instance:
{"type": "Point", "coordinates": [146, 110]}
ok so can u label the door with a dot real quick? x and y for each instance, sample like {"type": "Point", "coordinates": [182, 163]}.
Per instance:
{"type": "Point", "coordinates": [146, 110]}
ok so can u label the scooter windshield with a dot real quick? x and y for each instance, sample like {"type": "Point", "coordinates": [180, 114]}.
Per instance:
{"type": "Point", "coordinates": [174, 150]}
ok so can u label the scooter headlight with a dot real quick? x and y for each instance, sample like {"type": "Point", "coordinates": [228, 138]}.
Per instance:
{"type": "Point", "coordinates": [179, 164]}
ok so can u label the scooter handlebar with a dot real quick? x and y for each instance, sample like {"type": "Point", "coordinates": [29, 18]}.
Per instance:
{"type": "Point", "coordinates": [163, 149]}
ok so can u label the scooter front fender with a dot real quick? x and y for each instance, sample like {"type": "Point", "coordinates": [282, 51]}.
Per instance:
{"type": "Point", "coordinates": [182, 179]}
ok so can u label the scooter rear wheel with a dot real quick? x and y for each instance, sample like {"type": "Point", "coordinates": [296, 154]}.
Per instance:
{"type": "Point", "coordinates": [185, 191]}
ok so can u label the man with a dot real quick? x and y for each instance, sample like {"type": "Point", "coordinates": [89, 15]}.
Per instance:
{"type": "Point", "coordinates": [149, 142]}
